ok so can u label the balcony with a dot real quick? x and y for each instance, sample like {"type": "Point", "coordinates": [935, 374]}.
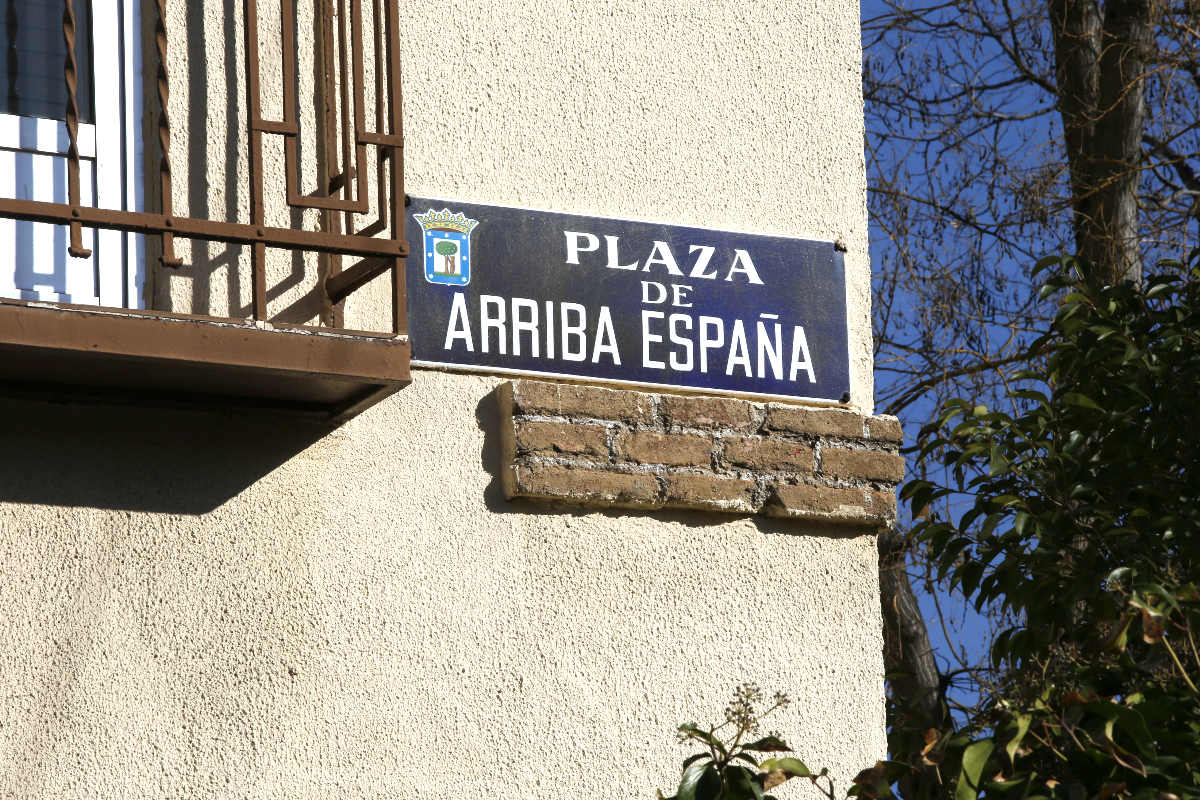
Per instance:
{"type": "Point", "coordinates": [313, 214]}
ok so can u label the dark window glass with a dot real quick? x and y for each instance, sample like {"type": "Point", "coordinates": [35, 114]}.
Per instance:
{"type": "Point", "coordinates": [32, 83]}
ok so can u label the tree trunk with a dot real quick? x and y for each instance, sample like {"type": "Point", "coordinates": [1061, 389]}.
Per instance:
{"type": "Point", "coordinates": [1101, 55]}
{"type": "Point", "coordinates": [914, 681]}
{"type": "Point", "coordinates": [907, 654]}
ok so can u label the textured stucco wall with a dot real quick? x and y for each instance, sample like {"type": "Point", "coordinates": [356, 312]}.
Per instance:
{"type": "Point", "coordinates": [197, 605]}
{"type": "Point", "coordinates": [723, 114]}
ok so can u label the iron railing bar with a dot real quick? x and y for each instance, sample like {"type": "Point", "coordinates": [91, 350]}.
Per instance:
{"type": "Point", "coordinates": [360, 124]}
{"type": "Point", "coordinates": [75, 248]}
{"type": "Point", "coordinates": [382, 139]}
{"type": "Point", "coordinates": [350, 52]}
{"type": "Point", "coordinates": [204, 229]}
{"type": "Point", "coordinates": [343, 173]}
{"type": "Point", "coordinates": [333, 221]}
{"type": "Point", "coordinates": [366, 137]}
{"type": "Point", "coordinates": [287, 21]}
{"type": "Point", "coordinates": [289, 125]}
{"type": "Point", "coordinates": [344, 87]}
{"type": "Point", "coordinates": [278, 127]}
{"type": "Point", "coordinates": [166, 202]}
{"type": "Point", "coordinates": [357, 204]}
{"type": "Point", "coordinates": [396, 164]}
{"type": "Point", "coordinates": [340, 286]}
{"type": "Point", "coordinates": [345, 82]}
{"type": "Point", "coordinates": [378, 136]}
{"type": "Point", "coordinates": [377, 35]}
{"type": "Point", "coordinates": [258, 255]}
{"type": "Point", "coordinates": [291, 155]}
{"type": "Point", "coordinates": [333, 164]}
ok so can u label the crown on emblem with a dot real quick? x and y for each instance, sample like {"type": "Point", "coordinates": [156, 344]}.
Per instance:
{"type": "Point", "coordinates": [445, 221]}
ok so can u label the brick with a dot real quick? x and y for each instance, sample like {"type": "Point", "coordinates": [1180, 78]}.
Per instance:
{"type": "Point", "coordinates": [815, 421]}
{"type": "Point", "coordinates": [673, 449]}
{"type": "Point", "coordinates": [776, 455]}
{"type": "Point", "coordinates": [822, 504]}
{"type": "Point", "coordinates": [708, 412]}
{"type": "Point", "coordinates": [569, 400]}
{"type": "Point", "coordinates": [883, 505]}
{"type": "Point", "coordinates": [822, 499]}
{"type": "Point", "coordinates": [886, 429]}
{"type": "Point", "coordinates": [711, 493]}
{"type": "Point", "coordinates": [561, 438]}
{"type": "Point", "coordinates": [868, 464]}
{"type": "Point", "coordinates": [590, 486]}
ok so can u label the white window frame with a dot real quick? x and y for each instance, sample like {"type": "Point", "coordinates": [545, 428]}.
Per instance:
{"type": "Point", "coordinates": [111, 176]}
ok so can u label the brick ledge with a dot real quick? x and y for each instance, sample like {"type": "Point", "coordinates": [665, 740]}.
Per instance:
{"type": "Point", "coordinates": [614, 448]}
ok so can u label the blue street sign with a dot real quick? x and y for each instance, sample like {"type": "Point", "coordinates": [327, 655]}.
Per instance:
{"type": "Point", "coordinates": [509, 290]}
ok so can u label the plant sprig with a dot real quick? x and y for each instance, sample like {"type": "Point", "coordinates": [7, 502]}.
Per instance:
{"type": "Point", "coordinates": [715, 774]}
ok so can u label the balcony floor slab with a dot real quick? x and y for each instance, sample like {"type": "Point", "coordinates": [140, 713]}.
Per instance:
{"type": "Point", "coordinates": [93, 354]}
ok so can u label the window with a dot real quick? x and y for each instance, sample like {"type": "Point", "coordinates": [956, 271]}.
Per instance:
{"type": "Point", "coordinates": [34, 262]}
{"type": "Point", "coordinates": [55, 201]}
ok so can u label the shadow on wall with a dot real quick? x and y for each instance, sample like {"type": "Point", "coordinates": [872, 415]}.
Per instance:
{"type": "Point", "coordinates": [217, 167]}
{"type": "Point", "coordinates": [140, 459]}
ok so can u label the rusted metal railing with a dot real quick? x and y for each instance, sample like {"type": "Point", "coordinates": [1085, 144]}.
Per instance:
{"type": "Point", "coordinates": [343, 194]}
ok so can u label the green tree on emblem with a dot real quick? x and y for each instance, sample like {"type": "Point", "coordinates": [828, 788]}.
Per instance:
{"type": "Point", "coordinates": [447, 251]}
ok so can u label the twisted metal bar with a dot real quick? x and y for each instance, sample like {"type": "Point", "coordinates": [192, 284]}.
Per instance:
{"type": "Point", "coordinates": [70, 70]}
{"type": "Point", "coordinates": [169, 259]}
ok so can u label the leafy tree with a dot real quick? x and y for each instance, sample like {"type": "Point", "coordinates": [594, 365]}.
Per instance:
{"type": "Point", "coordinates": [997, 131]}
{"type": "Point", "coordinates": [1077, 513]}
{"type": "Point", "coordinates": [1002, 130]}
{"type": "Point", "coordinates": [1082, 524]}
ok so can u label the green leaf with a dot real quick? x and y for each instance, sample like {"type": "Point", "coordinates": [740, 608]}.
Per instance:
{"type": "Point", "coordinates": [1157, 289]}
{"type": "Point", "coordinates": [740, 784]}
{"type": "Point", "coordinates": [1023, 721]}
{"type": "Point", "coordinates": [792, 767]}
{"type": "Point", "coordinates": [1030, 394]}
{"type": "Point", "coordinates": [974, 759]}
{"type": "Point", "coordinates": [1079, 399]}
{"type": "Point", "coordinates": [990, 524]}
{"type": "Point", "coordinates": [1045, 263]}
{"type": "Point", "coordinates": [768, 744]}
{"type": "Point", "coordinates": [969, 577]}
{"type": "Point", "coordinates": [1134, 724]}
{"type": "Point", "coordinates": [1116, 575]}
{"type": "Point", "coordinates": [1119, 640]}
{"type": "Point", "coordinates": [919, 494]}
{"type": "Point", "coordinates": [1155, 589]}
{"type": "Point", "coordinates": [701, 781]}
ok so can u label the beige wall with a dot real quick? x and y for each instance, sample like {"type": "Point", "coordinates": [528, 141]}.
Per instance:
{"type": "Point", "coordinates": [721, 113]}
{"type": "Point", "coordinates": [198, 605]}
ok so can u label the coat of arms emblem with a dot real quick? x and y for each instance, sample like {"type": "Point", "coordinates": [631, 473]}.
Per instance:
{"type": "Point", "coordinates": [447, 246]}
